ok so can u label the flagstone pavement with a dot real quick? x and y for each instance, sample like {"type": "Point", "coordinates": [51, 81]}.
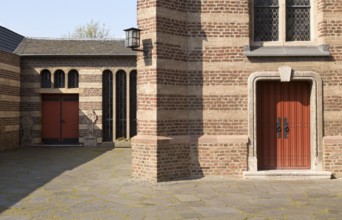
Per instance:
{"type": "Point", "coordinates": [95, 183]}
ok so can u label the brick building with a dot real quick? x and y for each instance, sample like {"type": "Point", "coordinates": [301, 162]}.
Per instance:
{"type": "Point", "coordinates": [9, 89]}
{"type": "Point", "coordinates": [239, 88]}
{"type": "Point", "coordinates": [228, 88]}
{"type": "Point", "coordinates": [54, 87]}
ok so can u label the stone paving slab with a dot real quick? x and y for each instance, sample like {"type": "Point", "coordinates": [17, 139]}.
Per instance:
{"type": "Point", "coordinates": [95, 183]}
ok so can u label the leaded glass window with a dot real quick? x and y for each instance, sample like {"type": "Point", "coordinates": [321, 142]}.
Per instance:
{"type": "Point", "coordinates": [107, 105]}
{"type": "Point", "coordinates": [266, 20]}
{"type": "Point", "coordinates": [133, 103]}
{"type": "Point", "coordinates": [121, 105]}
{"type": "Point", "coordinates": [73, 79]}
{"type": "Point", "coordinates": [59, 79]}
{"type": "Point", "coordinates": [297, 20]}
{"type": "Point", "coordinates": [45, 79]}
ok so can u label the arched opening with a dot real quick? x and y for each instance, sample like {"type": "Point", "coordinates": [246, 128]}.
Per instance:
{"type": "Point", "coordinates": [73, 79]}
{"type": "Point", "coordinates": [107, 105]}
{"type": "Point", "coordinates": [59, 79]}
{"type": "Point", "coordinates": [121, 105]}
{"type": "Point", "coordinates": [45, 79]}
{"type": "Point", "coordinates": [133, 103]}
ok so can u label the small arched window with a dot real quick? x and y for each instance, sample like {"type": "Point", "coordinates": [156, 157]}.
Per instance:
{"type": "Point", "coordinates": [73, 79]}
{"type": "Point", "coordinates": [59, 79]}
{"type": "Point", "coordinates": [45, 79]}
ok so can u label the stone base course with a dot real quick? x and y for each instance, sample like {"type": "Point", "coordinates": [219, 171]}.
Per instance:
{"type": "Point", "coordinates": [181, 157]}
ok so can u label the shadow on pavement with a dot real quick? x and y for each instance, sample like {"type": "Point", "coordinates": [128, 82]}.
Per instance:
{"type": "Point", "coordinates": [24, 170]}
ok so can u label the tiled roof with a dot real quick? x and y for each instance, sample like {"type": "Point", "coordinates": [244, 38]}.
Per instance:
{"type": "Point", "coordinates": [73, 47]}
{"type": "Point", "coordinates": [9, 40]}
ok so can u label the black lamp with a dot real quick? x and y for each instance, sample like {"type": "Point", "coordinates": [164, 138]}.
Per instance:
{"type": "Point", "coordinates": [133, 38]}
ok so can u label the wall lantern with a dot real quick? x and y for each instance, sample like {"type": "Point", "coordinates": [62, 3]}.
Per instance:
{"type": "Point", "coordinates": [133, 38]}
{"type": "Point", "coordinates": [133, 41]}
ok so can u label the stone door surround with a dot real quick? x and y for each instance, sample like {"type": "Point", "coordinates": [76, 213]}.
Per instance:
{"type": "Point", "coordinates": [316, 114]}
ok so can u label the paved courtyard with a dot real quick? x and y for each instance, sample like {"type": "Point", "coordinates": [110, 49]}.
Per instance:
{"type": "Point", "coordinates": [95, 183]}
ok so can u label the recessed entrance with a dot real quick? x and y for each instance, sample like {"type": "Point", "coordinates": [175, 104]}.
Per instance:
{"type": "Point", "coordinates": [283, 125]}
{"type": "Point", "coordinates": [60, 119]}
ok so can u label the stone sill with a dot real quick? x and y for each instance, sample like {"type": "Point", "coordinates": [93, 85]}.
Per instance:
{"type": "Point", "coordinates": [288, 51]}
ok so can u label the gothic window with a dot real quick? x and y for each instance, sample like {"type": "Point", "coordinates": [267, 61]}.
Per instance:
{"type": "Point", "coordinates": [291, 16]}
{"type": "Point", "coordinates": [45, 79]}
{"type": "Point", "coordinates": [73, 79]}
{"type": "Point", "coordinates": [59, 79]}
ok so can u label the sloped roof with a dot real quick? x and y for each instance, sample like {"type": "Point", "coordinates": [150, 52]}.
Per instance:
{"type": "Point", "coordinates": [9, 40]}
{"type": "Point", "coordinates": [73, 47]}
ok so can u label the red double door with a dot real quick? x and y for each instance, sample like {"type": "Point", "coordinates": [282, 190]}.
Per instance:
{"type": "Point", "coordinates": [60, 119]}
{"type": "Point", "coordinates": [283, 125]}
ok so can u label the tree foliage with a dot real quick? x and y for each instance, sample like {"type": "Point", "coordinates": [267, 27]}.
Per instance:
{"type": "Point", "coordinates": [93, 29]}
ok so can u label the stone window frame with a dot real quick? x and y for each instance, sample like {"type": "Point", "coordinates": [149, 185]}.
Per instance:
{"type": "Point", "coordinates": [316, 115]}
{"type": "Point", "coordinates": [127, 71]}
{"type": "Point", "coordinates": [53, 89]}
{"type": "Point", "coordinates": [282, 27]}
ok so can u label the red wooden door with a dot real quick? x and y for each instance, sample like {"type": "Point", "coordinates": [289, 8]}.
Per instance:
{"type": "Point", "coordinates": [283, 125]}
{"type": "Point", "coordinates": [51, 116]}
{"type": "Point", "coordinates": [70, 118]}
{"type": "Point", "coordinates": [60, 119]}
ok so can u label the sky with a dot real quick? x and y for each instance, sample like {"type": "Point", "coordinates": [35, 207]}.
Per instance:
{"type": "Point", "coordinates": [57, 18]}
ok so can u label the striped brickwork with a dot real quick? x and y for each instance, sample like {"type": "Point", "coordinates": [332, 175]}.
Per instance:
{"type": "Point", "coordinates": [195, 92]}
{"type": "Point", "coordinates": [9, 100]}
{"type": "Point", "coordinates": [90, 71]}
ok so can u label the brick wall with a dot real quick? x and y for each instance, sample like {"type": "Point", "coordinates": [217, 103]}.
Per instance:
{"type": "Point", "coordinates": [219, 160]}
{"type": "Point", "coordinates": [160, 159]}
{"type": "Point", "coordinates": [90, 71]}
{"type": "Point", "coordinates": [333, 155]}
{"type": "Point", "coordinates": [196, 84]}
{"type": "Point", "coordinates": [9, 100]}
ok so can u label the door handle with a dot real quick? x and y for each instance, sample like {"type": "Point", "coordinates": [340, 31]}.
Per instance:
{"type": "Point", "coordinates": [286, 128]}
{"type": "Point", "coordinates": [279, 127]}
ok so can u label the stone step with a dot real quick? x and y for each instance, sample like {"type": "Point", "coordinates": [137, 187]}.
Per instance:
{"type": "Point", "coordinates": [57, 145]}
{"type": "Point", "coordinates": [287, 175]}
